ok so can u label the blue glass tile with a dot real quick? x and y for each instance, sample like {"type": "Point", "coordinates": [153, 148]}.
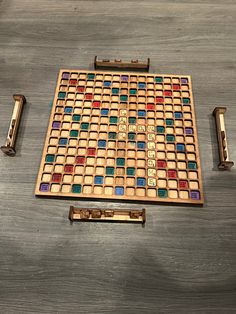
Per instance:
{"type": "Point", "coordinates": [141, 181]}
{"type": "Point", "coordinates": [63, 141]}
{"type": "Point", "coordinates": [98, 180]}
{"type": "Point", "coordinates": [101, 143]}
{"type": "Point", "coordinates": [119, 190]}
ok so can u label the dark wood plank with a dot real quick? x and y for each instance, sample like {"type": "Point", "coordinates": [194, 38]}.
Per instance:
{"type": "Point", "coordinates": [183, 261]}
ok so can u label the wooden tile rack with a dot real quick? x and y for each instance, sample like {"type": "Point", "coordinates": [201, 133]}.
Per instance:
{"type": "Point", "coordinates": [118, 64]}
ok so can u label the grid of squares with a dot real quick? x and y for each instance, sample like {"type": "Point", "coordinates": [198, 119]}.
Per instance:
{"type": "Point", "coordinates": [116, 135]}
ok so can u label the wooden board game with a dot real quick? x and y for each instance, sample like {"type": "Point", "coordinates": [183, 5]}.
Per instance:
{"type": "Point", "coordinates": [127, 136]}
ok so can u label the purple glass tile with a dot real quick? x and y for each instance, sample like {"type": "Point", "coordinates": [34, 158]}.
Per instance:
{"type": "Point", "coordinates": [65, 75]}
{"type": "Point", "coordinates": [56, 124]}
{"type": "Point", "coordinates": [188, 131]}
{"type": "Point", "coordinates": [44, 187]}
{"type": "Point", "coordinates": [124, 78]}
{"type": "Point", "coordinates": [184, 80]}
{"type": "Point", "coordinates": [195, 195]}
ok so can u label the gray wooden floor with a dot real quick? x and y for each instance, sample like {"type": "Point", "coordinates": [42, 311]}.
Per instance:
{"type": "Point", "coordinates": [184, 260]}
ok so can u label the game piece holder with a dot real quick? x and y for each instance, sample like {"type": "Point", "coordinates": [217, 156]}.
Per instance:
{"type": "Point", "coordinates": [118, 64]}
{"type": "Point", "coordinates": [225, 162]}
{"type": "Point", "coordinates": [102, 215]}
{"type": "Point", "coordinates": [9, 147]}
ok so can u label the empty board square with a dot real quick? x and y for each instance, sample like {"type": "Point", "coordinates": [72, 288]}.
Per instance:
{"type": "Point", "coordinates": [128, 136]}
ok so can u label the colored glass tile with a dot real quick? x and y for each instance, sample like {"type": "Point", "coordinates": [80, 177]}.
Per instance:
{"type": "Point", "coordinates": [107, 83]}
{"type": "Point", "coordinates": [119, 190]}
{"type": "Point", "coordinates": [130, 171]}
{"type": "Point", "coordinates": [89, 96]}
{"type": "Point", "coordinates": [90, 76]}
{"type": "Point", "coordinates": [61, 95]}
{"type": "Point", "coordinates": [68, 109]}
{"type": "Point", "coordinates": [80, 89]}
{"type": "Point", "coordinates": [169, 121]}
{"type": "Point", "coordinates": [170, 138]}
{"type": "Point", "coordinates": [131, 136]}
{"type": "Point", "coordinates": [74, 133]}
{"type": "Point", "coordinates": [76, 117]}
{"type": "Point", "coordinates": [141, 85]}
{"type": "Point", "coordinates": [141, 181]}
{"type": "Point", "coordinates": [50, 158]}
{"type": "Point", "coordinates": [160, 129]}
{"type": "Point", "coordinates": [113, 119]}
{"type": "Point", "coordinates": [124, 78]}
{"type": "Point", "coordinates": [65, 75]}
{"type": "Point", "coordinates": [188, 131]}
{"type": "Point", "coordinates": [101, 143]}
{"type": "Point", "coordinates": [176, 87]}
{"type": "Point", "coordinates": [115, 91]}
{"type": "Point", "coordinates": [44, 187]}
{"type": "Point", "coordinates": [123, 97]}
{"type": "Point", "coordinates": [76, 188]}
{"type": "Point", "coordinates": [161, 164]}
{"type": "Point", "coordinates": [159, 100]}
{"type": "Point", "coordinates": [141, 113]}
{"type": "Point", "coordinates": [132, 91]}
{"type": "Point", "coordinates": [171, 173]}
{"type": "Point", "coordinates": [162, 193]}
{"type": "Point", "coordinates": [56, 124]}
{"type": "Point", "coordinates": [180, 147]}
{"type": "Point", "coordinates": [167, 93]}
{"type": "Point", "coordinates": [104, 112]}
{"type": "Point", "coordinates": [91, 151]}
{"type": "Point", "coordinates": [186, 100]}
{"type": "Point", "coordinates": [195, 195]}
{"type": "Point", "coordinates": [84, 126]}
{"type": "Point", "coordinates": [73, 82]}
{"type": "Point", "coordinates": [183, 184]}
{"type": "Point", "coordinates": [98, 180]}
{"type": "Point", "coordinates": [120, 161]}
{"type": "Point", "coordinates": [141, 145]}
{"type": "Point", "coordinates": [184, 80]}
{"type": "Point", "coordinates": [132, 120]}
{"type": "Point", "coordinates": [192, 165]}
{"type": "Point", "coordinates": [63, 141]}
{"type": "Point", "coordinates": [96, 104]}
{"type": "Point", "coordinates": [56, 177]}
{"type": "Point", "coordinates": [158, 79]}
{"type": "Point", "coordinates": [110, 171]}
{"type": "Point", "coordinates": [150, 106]}
{"type": "Point", "coordinates": [112, 135]}
{"type": "Point", "coordinates": [69, 168]}
{"type": "Point", "coordinates": [80, 160]}
{"type": "Point", "coordinates": [178, 115]}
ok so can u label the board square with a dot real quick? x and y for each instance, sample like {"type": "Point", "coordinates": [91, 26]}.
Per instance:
{"type": "Point", "coordinates": [129, 136]}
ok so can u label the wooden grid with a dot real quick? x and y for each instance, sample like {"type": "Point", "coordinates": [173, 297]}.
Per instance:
{"type": "Point", "coordinates": [129, 136]}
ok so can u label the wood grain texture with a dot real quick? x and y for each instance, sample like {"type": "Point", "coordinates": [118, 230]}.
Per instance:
{"type": "Point", "coordinates": [184, 260]}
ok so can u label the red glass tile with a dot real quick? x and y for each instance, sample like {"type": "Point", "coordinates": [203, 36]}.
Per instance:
{"type": "Point", "coordinates": [96, 104]}
{"type": "Point", "coordinates": [150, 106]}
{"type": "Point", "coordinates": [183, 184]}
{"type": "Point", "coordinates": [171, 174]}
{"type": "Point", "coordinates": [80, 160]}
{"type": "Point", "coordinates": [159, 99]}
{"type": "Point", "coordinates": [167, 93]}
{"type": "Point", "coordinates": [91, 151]}
{"type": "Point", "coordinates": [73, 82]}
{"type": "Point", "coordinates": [56, 177]}
{"type": "Point", "coordinates": [69, 168]}
{"type": "Point", "coordinates": [88, 96]}
{"type": "Point", "coordinates": [161, 164]}
{"type": "Point", "coordinates": [80, 89]}
{"type": "Point", "coordinates": [176, 86]}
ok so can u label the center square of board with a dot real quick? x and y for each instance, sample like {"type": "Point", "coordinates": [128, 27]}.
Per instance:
{"type": "Point", "coordinates": [129, 136]}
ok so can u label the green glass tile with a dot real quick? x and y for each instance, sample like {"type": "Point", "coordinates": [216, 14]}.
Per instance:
{"type": "Point", "coordinates": [120, 161]}
{"type": "Point", "coordinates": [91, 76]}
{"type": "Point", "coordinates": [61, 95]}
{"type": "Point", "coordinates": [110, 171]}
{"type": "Point", "coordinates": [170, 138]}
{"type": "Point", "coordinates": [113, 119]}
{"type": "Point", "coordinates": [123, 97]}
{"type": "Point", "coordinates": [169, 121]}
{"type": "Point", "coordinates": [192, 165]}
{"type": "Point", "coordinates": [158, 79]}
{"type": "Point", "coordinates": [76, 188]}
{"type": "Point", "coordinates": [112, 135]}
{"type": "Point", "coordinates": [50, 158]}
{"type": "Point", "coordinates": [162, 193]}
{"type": "Point", "coordinates": [76, 117]}
{"type": "Point", "coordinates": [84, 126]}
{"type": "Point", "coordinates": [132, 120]}
{"type": "Point", "coordinates": [186, 100]}
{"type": "Point", "coordinates": [132, 91]}
{"type": "Point", "coordinates": [130, 171]}
{"type": "Point", "coordinates": [115, 90]}
{"type": "Point", "coordinates": [131, 136]}
{"type": "Point", "coordinates": [74, 133]}
{"type": "Point", "coordinates": [160, 129]}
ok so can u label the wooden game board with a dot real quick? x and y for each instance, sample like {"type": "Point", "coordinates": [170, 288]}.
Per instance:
{"type": "Point", "coordinates": [128, 136]}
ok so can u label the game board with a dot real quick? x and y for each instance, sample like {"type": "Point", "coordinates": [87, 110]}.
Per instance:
{"type": "Point", "coordinates": [129, 136]}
